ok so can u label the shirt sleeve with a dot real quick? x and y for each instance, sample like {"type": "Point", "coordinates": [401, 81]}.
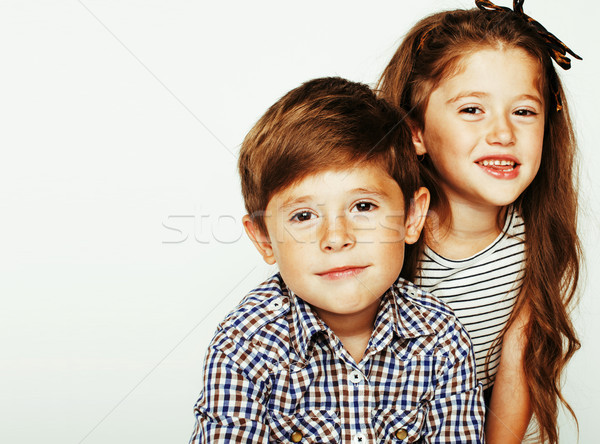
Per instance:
{"type": "Point", "coordinates": [457, 409]}
{"type": "Point", "coordinates": [232, 404]}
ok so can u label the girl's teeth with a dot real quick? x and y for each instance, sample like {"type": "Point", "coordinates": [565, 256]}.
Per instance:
{"type": "Point", "coordinates": [498, 163]}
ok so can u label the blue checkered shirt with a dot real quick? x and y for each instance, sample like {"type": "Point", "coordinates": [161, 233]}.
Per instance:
{"type": "Point", "coordinates": [274, 372]}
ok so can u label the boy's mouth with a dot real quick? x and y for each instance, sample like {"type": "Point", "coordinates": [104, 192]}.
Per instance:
{"type": "Point", "coordinates": [342, 272]}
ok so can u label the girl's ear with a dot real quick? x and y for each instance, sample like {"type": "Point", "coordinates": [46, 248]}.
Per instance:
{"type": "Point", "coordinates": [417, 138]}
{"type": "Point", "coordinates": [259, 239]}
{"type": "Point", "coordinates": [416, 215]}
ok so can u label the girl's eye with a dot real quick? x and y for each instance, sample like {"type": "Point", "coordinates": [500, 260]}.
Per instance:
{"type": "Point", "coordinates": [471, 110]}
{"type": "Point", "coordinates": [302, 216]}
{"type": "Point", "coordinates": [525, 112]}
{"type": "Point", "coordinates": [365, 206]}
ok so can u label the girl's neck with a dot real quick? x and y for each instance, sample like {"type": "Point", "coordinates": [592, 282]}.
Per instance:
{"type": "Point", "coordinates": [471, 228]}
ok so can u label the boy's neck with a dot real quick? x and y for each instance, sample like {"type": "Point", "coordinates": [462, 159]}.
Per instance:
{"type": "Point", "coordinates": [353, 330]}
{"type": "Point", "coordinates": [471, 229]}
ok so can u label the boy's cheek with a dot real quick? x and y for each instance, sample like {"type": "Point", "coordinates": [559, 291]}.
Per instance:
{"type": "Point", "coordinates": [393, 228]}
{"type": "Point", "coordinates": [295, 236]}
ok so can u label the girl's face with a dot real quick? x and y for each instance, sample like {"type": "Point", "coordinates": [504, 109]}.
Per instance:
{"type": "Point", "coordinates": [484, 128]}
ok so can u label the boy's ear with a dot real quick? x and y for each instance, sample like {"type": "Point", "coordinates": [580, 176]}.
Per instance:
{"type": "Point", "coordinates": [417, 138]}
{"type": "Point", "coordinates": [416, 215]}
{"type": "Point", "coordinates": [259, 239]}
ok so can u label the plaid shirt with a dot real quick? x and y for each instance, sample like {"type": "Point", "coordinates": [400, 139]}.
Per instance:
{"type": "Point", "coordinates": [274, 372]}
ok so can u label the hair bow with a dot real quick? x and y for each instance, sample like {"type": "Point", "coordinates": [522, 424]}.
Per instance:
{"type": "Point", "coordinates": [557, 49]}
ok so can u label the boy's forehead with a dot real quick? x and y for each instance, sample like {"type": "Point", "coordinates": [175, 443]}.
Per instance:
{"type": "Point", "coordinates": [360, 179]}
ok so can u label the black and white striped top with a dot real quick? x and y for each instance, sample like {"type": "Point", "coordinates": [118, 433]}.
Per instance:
{"type": "Point", "coordinates": [481, 289]}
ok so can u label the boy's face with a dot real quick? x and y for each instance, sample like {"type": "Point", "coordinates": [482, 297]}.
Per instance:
{"type": "Point", "coordinates": [338, 237]}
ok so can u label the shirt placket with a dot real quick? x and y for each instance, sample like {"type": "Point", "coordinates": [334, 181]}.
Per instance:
{"type": "Point", "coordinates": [359, 403]}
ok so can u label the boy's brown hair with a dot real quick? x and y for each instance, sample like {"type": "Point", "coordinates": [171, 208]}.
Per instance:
{"type": "Point", "coordinates": [324, 124]}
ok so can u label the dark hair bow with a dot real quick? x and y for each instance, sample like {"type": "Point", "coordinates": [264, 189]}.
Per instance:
{"type": "Point", "coordinates": [557, 49]}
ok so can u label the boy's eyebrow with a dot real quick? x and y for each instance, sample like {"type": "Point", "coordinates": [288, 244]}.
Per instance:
{"type": "Point", "coordinates": [293, 201]}
{"type": "Point", "coordinates": [374, 191]}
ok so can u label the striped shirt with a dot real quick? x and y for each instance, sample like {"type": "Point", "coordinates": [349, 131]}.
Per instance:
{"type": "Point", "coordinates": [274, 372]}
{"type": "Point", "coordinates": [482, 289]}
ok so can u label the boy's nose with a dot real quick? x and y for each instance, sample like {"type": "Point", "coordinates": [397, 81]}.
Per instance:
{"type": "Point", "coordinates": [337, 235]}
{"type": "Point", "coordinates": [501, 132]}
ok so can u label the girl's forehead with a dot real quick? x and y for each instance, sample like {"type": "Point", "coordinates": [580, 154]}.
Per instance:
{"type": "Point", "coordinates": [490, 68]}
{"type": "Point", "coordinates": [489, 57]}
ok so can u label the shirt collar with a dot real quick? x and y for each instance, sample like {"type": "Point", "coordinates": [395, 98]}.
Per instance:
{"type": "Point", "coordinates": [305, 324]}
{"type": "Point", "coordinates": [410, 313]}
{"type": "Point", "coordinates": [399, 313]}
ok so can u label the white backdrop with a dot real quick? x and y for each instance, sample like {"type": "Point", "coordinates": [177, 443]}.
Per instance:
{"type": "Point", "coordinates": [120, 234]}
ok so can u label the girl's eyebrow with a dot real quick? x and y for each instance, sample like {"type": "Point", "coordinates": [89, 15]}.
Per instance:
{"type": "Point", "coordinates": [481, 95]}
{"type": "Point", "coordinates": [464, 94]}
{"type": "Point", "coordinates": [531, 97]}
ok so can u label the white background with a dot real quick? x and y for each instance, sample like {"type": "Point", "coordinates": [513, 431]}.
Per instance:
{"type": "Point", "coordinates": [120, 235]}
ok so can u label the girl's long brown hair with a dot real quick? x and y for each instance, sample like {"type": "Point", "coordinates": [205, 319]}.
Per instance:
{"type": "Point", "coordinates": [432, 51]}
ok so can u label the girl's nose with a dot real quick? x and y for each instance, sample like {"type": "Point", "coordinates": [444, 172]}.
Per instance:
{"type": "Point", "coordinates": [337, 235]}
{"type": "Point", "coordinates": [501, 132]}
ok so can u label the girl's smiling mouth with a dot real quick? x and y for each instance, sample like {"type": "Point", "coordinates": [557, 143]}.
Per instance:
{"type": "Point", "coordinates": [499, 167]}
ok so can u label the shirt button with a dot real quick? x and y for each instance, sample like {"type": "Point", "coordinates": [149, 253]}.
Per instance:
{"type": "Point", "coordinates": [296, 437]}
{"type": "Point", "coordinates": [359, 438]}
{"type": "Point", "coordinates": [401, 434]}
{"type": "Point", "coordinates": [275, 305]}
{"type": "Point", "coordinates": [356, 376]}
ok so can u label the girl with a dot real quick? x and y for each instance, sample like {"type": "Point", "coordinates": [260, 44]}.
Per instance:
{"type": "Point", "coordinates": [490, 121]}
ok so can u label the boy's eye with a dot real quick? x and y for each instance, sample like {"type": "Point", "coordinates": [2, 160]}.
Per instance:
{"type": "Point", "coordinates": [365, 206]}
{"type": "Point", "coordinates": [302, 216]}
{"type": "Point", "coordinates": [471, 110]}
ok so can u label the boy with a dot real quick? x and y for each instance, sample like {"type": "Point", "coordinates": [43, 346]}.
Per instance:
{"type": "Point", "coordinates": [336, 347]}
